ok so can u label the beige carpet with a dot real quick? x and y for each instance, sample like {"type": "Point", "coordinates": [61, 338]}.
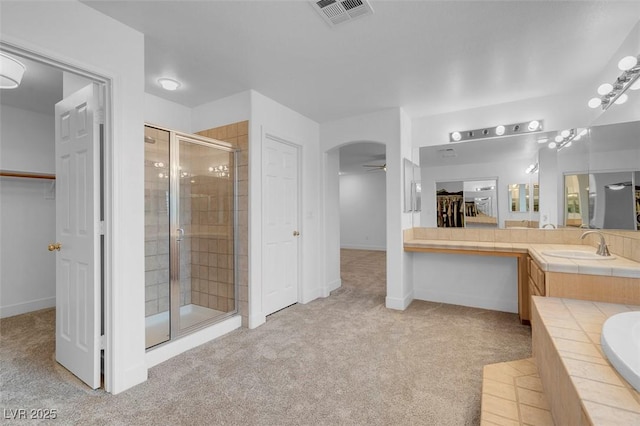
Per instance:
{"type": "Point", "coordinates": [342, 360]}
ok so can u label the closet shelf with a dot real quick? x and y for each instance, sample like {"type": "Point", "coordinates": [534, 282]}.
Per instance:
{"type": "Point", "coordinates": [27, 175]}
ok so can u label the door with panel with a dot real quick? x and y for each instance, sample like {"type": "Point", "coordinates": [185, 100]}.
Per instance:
{"type": "Point", "coordinates": [77, 247]}
{"type": "Point", "coordinates": [280, 255]}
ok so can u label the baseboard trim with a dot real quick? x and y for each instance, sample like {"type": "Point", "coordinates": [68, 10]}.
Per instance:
{"type": "Point", "coordinates": [256, 321]}
{"type": "Point", "coordinates": [331, 286]}
{"type": "Point", "coordinates": [465, 300]}
{"type": "Point", "coordinates": [162, 353]}
{"type": "Point", "coordinates": [25, 307]}
{"type": "Point", "coordinates": [361, 247]}
{"type": "Point", "coordinates": [399, 304]}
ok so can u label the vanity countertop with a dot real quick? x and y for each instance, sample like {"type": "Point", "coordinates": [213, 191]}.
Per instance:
{"type": "Point", "coordinates": [618, 267]}
{"type": "Point", "coordinates": [574, 327]}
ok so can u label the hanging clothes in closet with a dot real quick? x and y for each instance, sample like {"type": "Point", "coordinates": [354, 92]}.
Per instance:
{"type": "Point", "coordinates": [450, 209]}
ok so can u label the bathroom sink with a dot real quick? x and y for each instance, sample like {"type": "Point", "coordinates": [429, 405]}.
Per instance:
{"type": "Point", "coordinates": [620, 341]}
{"type": "Point", "coordinates": [577, 254]}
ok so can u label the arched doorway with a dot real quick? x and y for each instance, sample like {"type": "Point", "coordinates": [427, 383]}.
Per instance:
{"type": "Point", "coordinates": [363, 219]}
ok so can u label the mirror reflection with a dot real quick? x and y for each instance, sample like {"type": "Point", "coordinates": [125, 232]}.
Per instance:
{"type": "Point", "coordinates": [518, 197]}
{"type": "Point", "coordinates": [563, 193]}
{"type": "Point", "coordinates": [466, 204]}
{"type": "Point", "coordinates": [603, 200]}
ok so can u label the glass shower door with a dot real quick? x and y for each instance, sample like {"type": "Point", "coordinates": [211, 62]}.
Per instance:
{"type": "Point", "coordinates": [156, 232]}
{"type": "Point", "coordinates": [203, 237]}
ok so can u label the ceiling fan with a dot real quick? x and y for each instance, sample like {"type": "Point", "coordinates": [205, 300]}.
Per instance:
{"type": "Point", "coordinates": [375, 167]}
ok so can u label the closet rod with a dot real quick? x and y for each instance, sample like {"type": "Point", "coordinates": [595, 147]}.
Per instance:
{"type": "Point", "coordinates": [28, 175]}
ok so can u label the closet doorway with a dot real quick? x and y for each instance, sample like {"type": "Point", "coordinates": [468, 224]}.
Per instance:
{"type": "Point", "coordinates": [52, 187]}
{"type": "Point", "coordinates": [363, 219]}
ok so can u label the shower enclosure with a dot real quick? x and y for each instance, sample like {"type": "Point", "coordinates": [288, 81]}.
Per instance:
{"type": "Point", "coordinates": [190, 233]}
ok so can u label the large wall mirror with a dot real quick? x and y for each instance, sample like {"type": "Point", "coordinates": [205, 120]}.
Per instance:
{"type": "Point", "coordinates": [478, 172]}
{"type": "Point", "coordinates": [592, 183]}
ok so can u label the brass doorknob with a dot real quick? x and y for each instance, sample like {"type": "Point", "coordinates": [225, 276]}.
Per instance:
{"type": "Point", "coordinates": [56, 246]}
{"type": "Point", "coordinates": [296, 233]}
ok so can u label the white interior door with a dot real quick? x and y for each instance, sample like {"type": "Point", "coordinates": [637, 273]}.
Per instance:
{"type": "Point", "coordinates": [77, 235]}
{"type": "Point", "coordinates": [280, 225]}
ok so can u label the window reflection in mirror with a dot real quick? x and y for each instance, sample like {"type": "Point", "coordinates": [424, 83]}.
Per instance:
{"type": "Point", "coordinates": [518, 197]}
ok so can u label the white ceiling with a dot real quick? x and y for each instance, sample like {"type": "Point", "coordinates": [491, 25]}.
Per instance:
{"type": "Point", "coordinates": [39, 90]}
{"type": "Point", "coordinates": [428, 57]}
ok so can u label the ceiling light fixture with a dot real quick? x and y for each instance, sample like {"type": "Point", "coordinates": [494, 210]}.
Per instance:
{"type": "Point", "coordinates": [533, 168]}
{"type": "Point", "coordinates": [169, 84]}
{"type": "Point", "coordinates": [501, 130]}
{"type": "Point", "coordinates": [614, 93]}
{"type": "Point", "coordinates": [11, 71]}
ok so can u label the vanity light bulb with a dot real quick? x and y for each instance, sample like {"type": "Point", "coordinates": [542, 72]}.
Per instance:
{"type": "Point", "coordinates": [456, 136]}
{"type": "Point", "coordinates": [552, 145]}
{"type": "Point", "coordinates": [622, 99]}
{"type": "Point", "coordinates": [568, 144]}
{"type": "Point", "coordinates": [594, 102]}
{"type": "Point", "coordinates": [627, 63]}
{"type": "Point", "coordinates": [583, 132]}
{"type": "Point", "coordinates": [577, 138]}
{"type": "Point", "coordinates": [605, 88]}
{"type": "Point", "coordinates": [210, 169]}
{"type": "Point", "coordinates": [533, 125]}
{"type": "Point", "coordinates": [559, 138]}
{"type": "Point", "coordinates": [500, 130]}
{"type": "Point", "coordinates": [565, 133]}
{"type": "Point", "coordinates": [636, 85]}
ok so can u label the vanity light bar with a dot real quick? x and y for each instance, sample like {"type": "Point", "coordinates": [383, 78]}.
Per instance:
{"type": "Point", "coordinates": [615, 93]}
{"type": "Point", "coordinates": [532, 126]}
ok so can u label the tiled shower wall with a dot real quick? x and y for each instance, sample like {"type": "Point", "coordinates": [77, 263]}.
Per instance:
{"type": "Point", "coordinates": [238, 135]}
{"type": "Point", "coordinates": [212, 243]}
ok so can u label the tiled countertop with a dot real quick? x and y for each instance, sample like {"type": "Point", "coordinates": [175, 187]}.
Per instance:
{"type": "Point", "coordinates": [574, 327]}
{"type": "Point", "coordinates": [618, 267]}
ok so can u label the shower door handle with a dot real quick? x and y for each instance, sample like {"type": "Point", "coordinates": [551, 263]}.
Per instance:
{"type": "Point", "coordinates": [180, 234]}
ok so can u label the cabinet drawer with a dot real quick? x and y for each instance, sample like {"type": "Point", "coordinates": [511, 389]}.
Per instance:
{"type": "Point", "coordinates": [536, 275]}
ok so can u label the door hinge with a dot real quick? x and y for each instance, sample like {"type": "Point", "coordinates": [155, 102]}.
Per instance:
{"type": "Point", "coordinates": [102, 342]}
{"type": "Point", "coordinates": [101, 227]}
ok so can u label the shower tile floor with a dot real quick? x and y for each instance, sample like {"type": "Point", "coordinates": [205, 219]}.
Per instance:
{"type": "Point", "coordinates": [157, 326]}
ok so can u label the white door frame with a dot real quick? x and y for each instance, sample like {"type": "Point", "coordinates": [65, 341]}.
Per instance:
{"type": "Point", "coordinates": [298, 148]}
{"type": "Point", "coordinates": [106, 166]}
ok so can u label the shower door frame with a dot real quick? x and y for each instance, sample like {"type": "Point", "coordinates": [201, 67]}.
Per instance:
{"type": "Point", "coordinates": [174, 225]}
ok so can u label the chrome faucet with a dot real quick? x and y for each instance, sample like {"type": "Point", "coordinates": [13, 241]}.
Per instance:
{"type": "Point", "coordinates": [548, 224]}
{"type": "Point", "coordinates": [603, 250]}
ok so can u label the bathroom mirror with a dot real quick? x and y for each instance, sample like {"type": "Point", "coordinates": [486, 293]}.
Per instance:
{"type": "Point", "coordinates": [481, 204]}
{"type": "Point", "coordinates": [518, 197]}
{"type": "Point", "coordinates": [467, 204]}
{"type": "Point", "coordinates": [411, 186]}
{"type": "Point", "coordinates": [499, 160]}
{"type": "Point", "coordinates": [603, 200]}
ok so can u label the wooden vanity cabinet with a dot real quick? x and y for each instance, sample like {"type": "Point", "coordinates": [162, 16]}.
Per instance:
{"type": "Point", "coordinates": [537, 285]}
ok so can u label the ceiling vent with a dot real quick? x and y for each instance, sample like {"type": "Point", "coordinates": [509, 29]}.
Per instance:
{"type": "Point", "coordinates": [336, 12]}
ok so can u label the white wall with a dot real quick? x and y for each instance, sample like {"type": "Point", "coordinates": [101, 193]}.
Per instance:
{"type": "Point", "coordinates": [167, 114]}
{"type": "Point", "coordinates": [486, 282]}
{"type": "Point", "coordinates": [363, 211]}
{"type": "Point", "coordinates": [26, 140]}
{"type": "Point", "coordinates": [27, 212]}
{"type": "Point", "coordinates": [221, 112]}
{"type": "Point", "coordinates": [385, 127]}
{"type": "Point", "coordinates": [76, 34]}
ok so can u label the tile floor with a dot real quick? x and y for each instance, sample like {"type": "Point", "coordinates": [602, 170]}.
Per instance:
{"type": "Point", "coordinates": [512, 395]}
